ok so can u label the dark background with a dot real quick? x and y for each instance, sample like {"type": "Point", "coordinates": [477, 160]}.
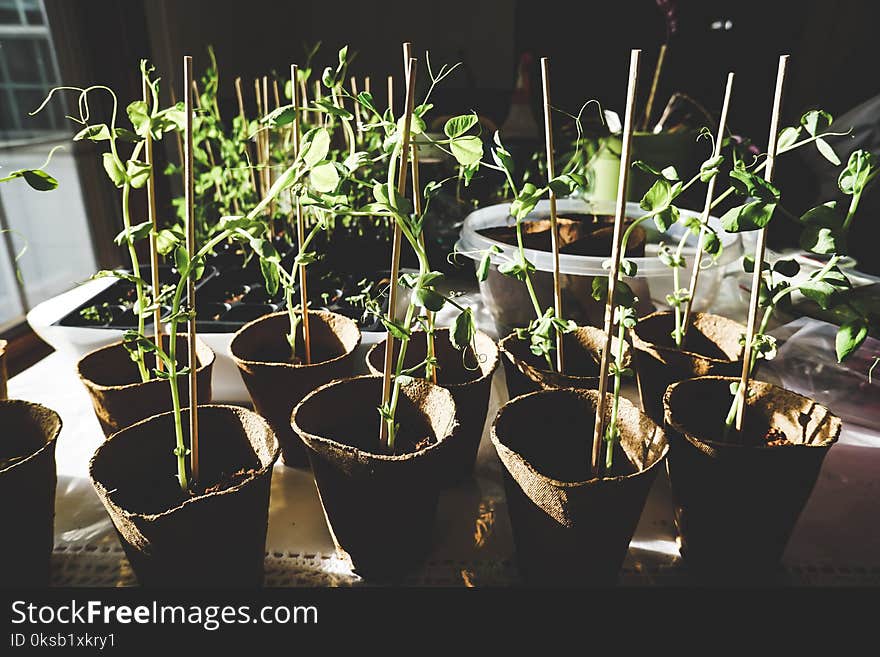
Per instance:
{"type": "Point", "coordinates": [831, 47]}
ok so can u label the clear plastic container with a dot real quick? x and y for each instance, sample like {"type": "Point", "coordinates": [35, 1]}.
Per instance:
{"type": "Point", "coordinates": [507, 298]}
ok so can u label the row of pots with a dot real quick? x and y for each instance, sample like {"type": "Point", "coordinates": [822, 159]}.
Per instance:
{"type": "Point", "coordinates": [735, 504]}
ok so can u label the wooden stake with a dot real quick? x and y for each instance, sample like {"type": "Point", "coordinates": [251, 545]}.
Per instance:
{"type": "Point", "coordinates": [154, 222]}
{"type": "Point", "coordinates": [357, 105]}
{"type": "Point", "coordinates": [300, 226]}
{"type": "Point", "coordinates": [391, 93]}
{"type": "Point", "coordinates": [417, 206]}
{"type": "Point", "coordinates": [191, 284]}
{"type": "Point", "coordinates": [367, 85]}
{"type": "Point", "coordinates": [707, 208]}
{"type": "Point", "coordinates": [276, 93]}
{"type": "Point", "coordinates": [554, 231]}
{"type": "Point", "coordinates": [244, 120]}
{"type": "Point", "coordinates": [649, 106]}
{"type": "Point", "coordinates": [259, 138]}
{"type": "Point", "coordinates": [619, 220]}
{"type": "Point", "coordinates": [395, 251]}
{"type": "Point", "coordinates": [760, 248]}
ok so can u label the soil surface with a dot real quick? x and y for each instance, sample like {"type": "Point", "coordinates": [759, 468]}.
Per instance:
{"type": "Point", "coordinates": [227, 481]}
{"type": "Point", "coordinates": [695, 342]}
{"type": "Point", "coordinates": [578, 361]}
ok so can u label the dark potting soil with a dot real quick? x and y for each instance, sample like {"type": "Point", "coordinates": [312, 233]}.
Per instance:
{"type": "Point", "coordinates": [165, 493]}
{"type": "Point", "coordinates": [279, 351]}
{"type": "Point", "coordinates": [695, 342]}
{"type": "Point", "coordinates": [578, 361]}
{"type": "Point", "coordinates": [559, 446]}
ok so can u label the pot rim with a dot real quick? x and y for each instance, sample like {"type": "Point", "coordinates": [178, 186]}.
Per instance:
{"type": "Point", "coordinates": [201, 346]}
{"type": "Point", "coordinates": [639, 342]}
{"type": "Point", "coordinates": [702, 443]}
{"type": "Point", "coordinates": [50, 440]}
{"type": "Point", "coordinates": [575, 379]}
{"type": "Point", "coordinates": [495, 359]}
{"type": "Point", "coordinates": [391, 458]}
{"type": "Point", "coordinates": [246, 362]}
{"type": "Point", "coordinates": [593, 481]}
{"type": "Point", "coordinates": [226, 408]}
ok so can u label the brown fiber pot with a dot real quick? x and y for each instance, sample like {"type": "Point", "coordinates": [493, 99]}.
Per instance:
{"type": "Point", "coordinates": [27, 492]}
{"type": "Point", "coordinates": [525, 372]}
{"type": "Point", "coordinates": [736, 505]}
{"type": "Point", "coordinates": [118, 396]}
{"type": "Point", "coordinates": [275, 386]}
{"type": "Point", "coordinates": [214, 539]}
{"type": "Point", "coordinates": [380, 508]}
{"type": "Point", "coordinates": [466, 376]}
{"type": "Point", "coordinates": [712, 348]}
{"type": "Point", "coordinates": [572, 529]}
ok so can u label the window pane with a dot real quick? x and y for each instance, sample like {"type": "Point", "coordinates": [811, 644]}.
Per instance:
{"type": "Point", "coordinates": [20, 56]}
{"type": "Point", "coordinates": [9, 13]}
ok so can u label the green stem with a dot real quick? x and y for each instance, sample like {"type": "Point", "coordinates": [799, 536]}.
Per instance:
{"type": "Point", "coordinates": [611, 431]}
{"type": "Point", "coordinates": [139, 285]}
{"type": "Point", "coordinates": [676, 285]}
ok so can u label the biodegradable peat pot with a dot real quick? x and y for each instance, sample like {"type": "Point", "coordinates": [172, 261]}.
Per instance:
{"type": "Point", "coordinates": [212, 539]}
{"type": "Point", "coordinates": [261, 351]}
{"type": "Point", "coordinates": [736, 504]}
{"type": "Point", "coordinates": [27, 492]}
{"type": "Point", "coordinates": [570, 528]}
{"type": "Point", "coordinates": [380, 508]}
{"type": "Point", "coordinates": [120, 398]}
{"type": "Point", "coordinates": [468, 376]}
{"type": "Point", "coordinates": [712, 348]}
{"type": "Point", "coordinates": [525, 372]}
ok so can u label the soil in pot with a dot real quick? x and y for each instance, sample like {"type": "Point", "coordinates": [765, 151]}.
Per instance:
{"type": "Point", "coordinates": [214, 538]}
{"type": "Point", "coordinates": [525, 372]}
{"type": "Point", "coordinates": [120, 398]}
{"type": "Point", "coordinates": [380, 507]}
{"type": "Point", "coordinates": [276, 382]}
{"type": "Point", "coordinates": [569, 527]}
{"type": "Point", "coordinates": [737, 499]}
{"type": "Point", "coordinates": [27, 492]}
{"type": "Point", "coordinates": [712, 348]}
{"type": "Point", "coordinates": [467, 375]}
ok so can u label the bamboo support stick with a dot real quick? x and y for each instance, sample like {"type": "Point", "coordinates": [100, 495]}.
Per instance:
{"type": "Point", "coordinates": [357, 106]}
{"type": "Point", "coordinates": [417, 206]}
{"type": "Point", "coordinates": [300, 226]}
{"type": "Point", "coordinates": [154, 222]}
{"type": "Point", "coordinates": [390, 90]}
{"type": "Point", "coordinates": [707, 208]}
{"type": "Point", "coordinates": [649, 106]}
{"type": "Point", "coordinates": [259, 139]}
{"type": "Point", "coordinates": [367, 87]}
{"type": "Point", "coordinates": [244, 120]}
{"type": "Point", "coordinates": [395, 251]}
{"type": "Point", "coordinates": [191, 284]}
{"type": "Point", "coordinates": [760, 248]}
{"type": "Point", "coordinates": [276, 93]}
{"type": "Point", "coordinates": [554, 231]}
{"type": "Point", "coordinates": [619, 220]}
{"type": "Point", "coordinates": [177, 132]}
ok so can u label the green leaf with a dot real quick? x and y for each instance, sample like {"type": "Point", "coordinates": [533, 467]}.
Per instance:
{"type": "Point", "coordinates": [458, 125]}
{"type": "Point", "coordinates": [416, 125]}
{"type": "Point", "coordinates": [166, 240]}
{"type": "Point", "coordinates": [666, 218]}
{"type": "Point", "coordinates": [787, 138]}
{"type": "Point", "coordinates": [271, 276]}
{"type": "Point", "coordinates": [750, 184]}
{"type": "Point", "coordinates": [38, 179]}
{"type": "Point", "coordinates": [787, 267]}
{"type": "Point", "coordinates": [135, 233]}
{"type": "Point", "coordinates": [139, 115]}
{"type": "Point", "coordinates": [751, 216]}
{"type": "Point", "coordinates": [429, 298]}
{"type": "Point", "coordinates": [628, 267]}
{"type": "Point", "coordinates": [859, 168]}
{"type": "Point", "coordinates": [816, 120]}
{"type": "Point", "coordinates": [827, 152]}
{"type": "Point", "coordinates": [181, 260]}
{"type": "Point", "coordinates": [463, 329]}
{"type": "Point", "coordinates": [823, 215]}
{"type": "Point", "coordinates": [819, 291]}
{"type": "Point", "coordinates": [315, 146]}
{"type": "Point", "coordinates": [850, 337]}
{"type": "Point", "coordinates": [366, 100]}
{"type": "Point", "coordinates": [280, 116]}
{"type": "Point", "coordinates": [525, 201]}
{"type": "Point", "coordinates": [658, 197]}
{"type": "Point", "coordinates": [113, 169]}
{"type": "Point", "coordinates": [486, 263]}
{"type": "Point", "coordinates": [396, 330]}
{"type": "Point", "coordinates": [821, 239]}
{"type": "Point", "coordinates": [467, 150]}
{"type": "Point", "coordinates": [711, 243]}
{"type": "Point", "coordinates": [328, 106]}
{"type": "Point", "coordinates": [99, 132]}
{"type": "Point", "coordinates": [324, 177]}
{"type": "Point", "coordinates": [709, 168]}
{"type": "Point", "coordinates": [138, 173]}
